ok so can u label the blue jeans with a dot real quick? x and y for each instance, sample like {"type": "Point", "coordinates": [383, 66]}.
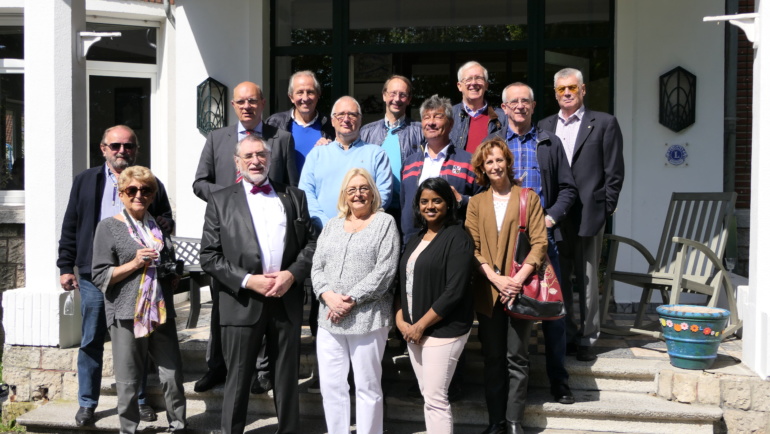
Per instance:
{"type": "Point", "coordinates": [555, 332]}
{"type": "Point", "coordinates": [90, 355]}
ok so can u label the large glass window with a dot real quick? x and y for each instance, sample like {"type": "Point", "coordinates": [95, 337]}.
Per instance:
{"type": "Point", "coordinates": [12, 42]}
{"type": "Point", "coordinates": [119, 101]}
{"type": "Point", "coordinates": [134, 45]}
{"type": "Point", "coordinates": [411, 22]}
{"type": "Point", "coordinates": [12, 129]}
{"type": "Point", "coordinates": [365, 41]}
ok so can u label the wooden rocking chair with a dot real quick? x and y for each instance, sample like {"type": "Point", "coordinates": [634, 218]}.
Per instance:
{"type": "Point", "coordinates": [689, 259]}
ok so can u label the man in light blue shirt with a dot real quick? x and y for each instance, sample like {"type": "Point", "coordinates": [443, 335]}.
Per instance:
{"type": "Point", "coordinates": [325, 166]}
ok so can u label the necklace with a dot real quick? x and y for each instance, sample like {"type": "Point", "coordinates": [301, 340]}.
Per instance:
{"type": "Point", "coordinates": [358, 226]}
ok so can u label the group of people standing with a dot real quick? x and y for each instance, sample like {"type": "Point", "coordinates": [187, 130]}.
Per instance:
{"type": "Point", "coordinates": [397, 222]}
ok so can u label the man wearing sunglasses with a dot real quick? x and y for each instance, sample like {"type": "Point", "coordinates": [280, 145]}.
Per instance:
{"type": "Point", "coordinates": [594, 146]}
{"type": "Point", "coordinates": [94, 197]}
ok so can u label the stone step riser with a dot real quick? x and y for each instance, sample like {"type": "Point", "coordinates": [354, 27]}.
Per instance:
{"type": "Point", "coordinates": [398, 368]}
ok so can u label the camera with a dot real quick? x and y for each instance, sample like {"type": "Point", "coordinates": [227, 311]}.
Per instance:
{"type": "Point", "coordinates": [170, 268]}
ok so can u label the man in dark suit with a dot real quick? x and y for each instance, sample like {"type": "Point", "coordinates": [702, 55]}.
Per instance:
{"type": "Point", "coordinates": [217, 171]}
{"type": "Point", "coordinates": [258, 243]}
{"type": "Point", "coordinates": [93, 198]}
{"type": "Point", "coordinates": [593, 144]}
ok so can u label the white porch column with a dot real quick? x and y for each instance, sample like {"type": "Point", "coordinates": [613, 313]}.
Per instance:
{"type": "Point", "coordinates": [55, 113]}
{"type": "Point", "coordinates": [756, 341]}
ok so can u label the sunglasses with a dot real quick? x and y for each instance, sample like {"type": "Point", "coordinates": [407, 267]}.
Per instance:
{"type": "Point", "coordinates": [131, 191]}
{"type": "Point", "coordinates": [116, 146]}
{"type": "Point", "coordinates": [572, 88]}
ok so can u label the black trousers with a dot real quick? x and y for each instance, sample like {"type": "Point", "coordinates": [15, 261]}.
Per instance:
{"type": "Point", "coordinates": [241, 345]}
{"type": "Point", "coordinates": [505, 347]}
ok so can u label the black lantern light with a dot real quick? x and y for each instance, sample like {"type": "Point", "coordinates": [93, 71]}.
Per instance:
{"type": "Point", "coordinates": [677, 99]}
{"type": "Point", "coordinates": [212, 105]}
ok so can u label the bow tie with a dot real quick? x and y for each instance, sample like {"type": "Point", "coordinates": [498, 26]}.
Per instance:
{"type": "Point", "coordinates": [264, 188]}
{"type": "Point", "coordinates": [251, 132]}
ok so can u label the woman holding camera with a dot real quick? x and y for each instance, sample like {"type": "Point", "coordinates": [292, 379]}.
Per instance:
{"type": "Point", "coordinates": [133, 265]}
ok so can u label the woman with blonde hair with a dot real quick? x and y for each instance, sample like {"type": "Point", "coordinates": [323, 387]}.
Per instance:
{"type": "Point", "coordinates": [132, 265]}
{"type": "Point", "coordinates": [354, 267]}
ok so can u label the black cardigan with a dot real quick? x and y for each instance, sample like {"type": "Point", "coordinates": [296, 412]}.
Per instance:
{"type": "Point", "coordinates": [441, 281]}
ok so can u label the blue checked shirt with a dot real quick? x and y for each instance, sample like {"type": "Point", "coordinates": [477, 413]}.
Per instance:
{"type": "Point", "coordinates": [525, 166]}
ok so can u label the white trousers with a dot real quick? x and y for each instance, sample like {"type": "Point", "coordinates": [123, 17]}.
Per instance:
{"type": "Point", "coordinates": [434, 367]}
{"type": "Point", "coordinates": [335, 355]}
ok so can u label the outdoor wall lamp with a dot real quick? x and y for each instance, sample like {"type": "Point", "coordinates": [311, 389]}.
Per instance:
{"type": "Point", "coordinates": [677, 99]}
{"type": "Point", "coordinates": [212, 105]}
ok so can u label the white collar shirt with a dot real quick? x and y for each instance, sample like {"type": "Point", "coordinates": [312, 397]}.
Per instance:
{"type": "Point", "coordinates": [431, 167]}
{"type": "Point", "coordinates": [567, 130]}
{"type": "Point", "coordinates": [269, 219]}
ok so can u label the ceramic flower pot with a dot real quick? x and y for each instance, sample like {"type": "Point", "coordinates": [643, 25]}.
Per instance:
{"type": "Point", "coordinates": [692, 334]}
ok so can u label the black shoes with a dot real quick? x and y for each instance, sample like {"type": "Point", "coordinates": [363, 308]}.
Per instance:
{"type": "Point", "coordinates": [261, 383]}
{"type": "Point", "coordinates": [515, 428]}
{"type": "Point", "coordinates": [496, 428]}
{"type": "Point", "coordinates": [211, 379]}
{"type": "Point", "coordinates": [563, 395]}
{"type": "Point", "coordinates": [585, 354]}
{"type": "Point", "coordinates": [84, 416]}
{"type": "Point", "coordinates": [147, 414]}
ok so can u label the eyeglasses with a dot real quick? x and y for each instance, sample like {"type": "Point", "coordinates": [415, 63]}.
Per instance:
{"type": "Point", "coordinates": [116, 146]}
{"type": "Point", "coordinates": [526, 102]}
{"type": "Point", "coordinates": [474, 79]}
{"type": "Point", "coordinates": [131, 191]}
{"type": "Point", "coordinates": [261, 156]}
{"type": "Point", "coordinates": [350, 115]}
{"type": "Point", "coordinates": [242, 102]}
{"type": "Point", "coordinates": [572, 88]}
{"type": "Point", "coordinates": [393, 94]}
{"type": "Point", "coordinates": [362, 189]}
{"type": "Point", "coordinates": [434, 117]}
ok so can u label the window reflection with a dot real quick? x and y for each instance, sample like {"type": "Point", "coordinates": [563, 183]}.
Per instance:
{"type": "Point", "coordinates": [410, 22]}
{"type": "Point", "coordinates": [11, 129]}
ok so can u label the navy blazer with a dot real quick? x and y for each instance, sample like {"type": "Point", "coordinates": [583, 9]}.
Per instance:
{"type": "Point", "coordinates": [598, 169]}
{"type": "Point", "coordinates": [82, 217]}
{"type": "Point", "coordinates": [216, 168]}
{"type": "Point", "coordinates": [230, 250]}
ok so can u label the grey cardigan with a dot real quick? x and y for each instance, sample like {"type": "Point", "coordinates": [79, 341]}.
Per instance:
{"type": "Point", "coordinates": [362, 265]}
{"type": "Point", "coordinates": [113, 246]}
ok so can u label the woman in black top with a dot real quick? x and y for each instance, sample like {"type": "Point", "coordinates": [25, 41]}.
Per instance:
{"type": "Point", "coordinates": [435, 309]}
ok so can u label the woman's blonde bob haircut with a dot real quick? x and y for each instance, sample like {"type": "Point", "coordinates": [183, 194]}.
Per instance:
{"type": "Point", "coordinates": [139, 173]}
{"type": "Point", "coordinates": [342, 203]}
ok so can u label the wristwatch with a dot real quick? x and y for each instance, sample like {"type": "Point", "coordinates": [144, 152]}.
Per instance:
{"type": "Point", "coordinates": [550, 219]}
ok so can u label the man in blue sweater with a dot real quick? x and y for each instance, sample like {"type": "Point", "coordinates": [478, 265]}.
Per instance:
{"type": "Point", "coordinates": [306, 125]}
{"type": "Point", "coordinates": [325, 166]}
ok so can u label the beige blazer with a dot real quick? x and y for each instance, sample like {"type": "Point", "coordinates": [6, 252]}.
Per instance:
{"type": "Point", "coordinates": [497, 249]}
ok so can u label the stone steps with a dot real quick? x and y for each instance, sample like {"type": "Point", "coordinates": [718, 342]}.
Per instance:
{"type": "Point", "coordinates": [620, 412]}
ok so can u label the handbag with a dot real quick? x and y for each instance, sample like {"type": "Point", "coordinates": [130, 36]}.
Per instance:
{"type": "Point", "coordinates": [540, 297]}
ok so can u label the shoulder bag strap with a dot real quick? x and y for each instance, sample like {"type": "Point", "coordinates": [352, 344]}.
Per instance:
{"type": "Point", "coordinates": [523, 209]}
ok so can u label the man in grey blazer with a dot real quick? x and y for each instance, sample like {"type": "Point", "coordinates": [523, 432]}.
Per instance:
{"type": "Point", "coordinates": [216, 170]}
{"type": "Point", "coordinates": [258, 243]}
{"type": "Point", "coordinates": [594, 146]}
